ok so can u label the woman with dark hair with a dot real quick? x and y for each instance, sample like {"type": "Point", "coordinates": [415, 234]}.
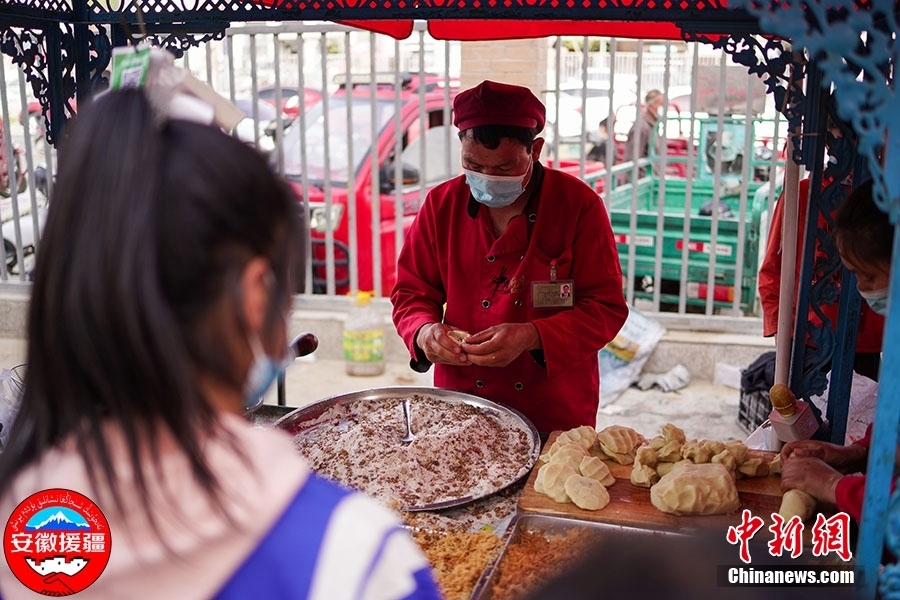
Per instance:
{"type": "Point", "coordinates": [159, 307]}
{"type": "Point", "coordinates": [864, 238]}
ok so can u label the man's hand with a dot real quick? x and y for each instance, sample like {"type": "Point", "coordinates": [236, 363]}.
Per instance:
{"type": "Point", "coordinates": [846, 459]}
{"type": "Point", "coordinates": [439, 347]}
{"type": "Point", "coordinates": [812, 476]}
{"type": "Point", "coordinates": [500, 345]}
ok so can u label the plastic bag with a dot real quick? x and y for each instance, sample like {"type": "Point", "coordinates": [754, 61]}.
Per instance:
{"type": "Point", "coordinates": [623, 359]}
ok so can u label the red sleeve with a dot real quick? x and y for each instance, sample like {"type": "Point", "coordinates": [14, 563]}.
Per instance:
{"type": "Point", "coordinates": [865, 440]}
{"type": "Point", "coordinates": [848, 495]}
{"type": "Point", "coordinates": [769, 281]}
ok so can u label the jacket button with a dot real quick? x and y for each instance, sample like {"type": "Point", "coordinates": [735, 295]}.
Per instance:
{"type": "Point", "coordinates": [519, 385]}
{"type": "Point", "coordinates": [532, 217]}
{"type": "Point", "coordinates": [491, 258]}
{"type": "Point", "coordinates": [479, 383]}
{"type": "Point", "coordinates": [518, 303]}
{"type": "Point", "coordinates": [485, 304]}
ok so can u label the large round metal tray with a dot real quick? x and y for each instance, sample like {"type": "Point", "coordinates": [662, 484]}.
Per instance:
{"type": "Point", "coordinates": [294, 422]}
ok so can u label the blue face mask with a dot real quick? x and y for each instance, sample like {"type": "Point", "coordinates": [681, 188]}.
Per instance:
{"type": "Point", "coordinates": [877, 300]}
{"type": "Point", "coordinates": [263, 372]}
{"type": "Point", "coordinates": [495, 191]}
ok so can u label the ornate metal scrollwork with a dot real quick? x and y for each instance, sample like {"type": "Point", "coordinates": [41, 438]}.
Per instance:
{"type": "Point", "coordinates": [178, 42]}
{"type": "Point", "coordinates": [29, 50]}
{"type": "Point", "coordinates": [856, 50]}
{"type": "Point", "coordinates": [781, 69]}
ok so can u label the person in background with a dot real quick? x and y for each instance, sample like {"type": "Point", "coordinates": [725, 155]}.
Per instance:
{"type": "Point", "coordinates": [601, 140]}
{"type": "Point", "coordinates": [642, 130]}
{"type": "Point", "coordinates": [864, 237]}
{"type": "Point", "coordinates": [871, 325]}
{"type": "Point", "coordinates": [158, 312]}
{"type": "Point", "coordinates": [495, 245]}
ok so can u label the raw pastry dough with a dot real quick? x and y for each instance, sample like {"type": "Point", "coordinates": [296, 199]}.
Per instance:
{"type": "Point", "coordinates": [594, 468]}
{"type": "Point", "coordinates": [588, 494]}
{"type": "Point", "coordinates": [689, 489]}
{"type": "Point", "coordinates": [570, 454]}
{"type": "Point", "coordinates": [619, 442]}
{"type": "Point", "coordinates": [458, 335]}
{"type": "Point", "coordinates": [664, 468]}
{"type": "Point", "coordinates": [726, 459]}
{"type": "Point", "coordinates": [551, 480]}
{"type": "Point", "coordinates": [671, 452]}
{"type": "Point", "coordinates": [738, 449]}
{"type": "Point", "coordinates": [585, 436]}
{"type": "Point", "coordinates": [643, 473]}
{"type": "Point", "coordinates": [754, 467]}
{"type": "Point", "coordinates": [671, 433]}
{"type": "Point", "coordinates": [696, 451]}
{"type": "Point", "coordinates": [797, 503]}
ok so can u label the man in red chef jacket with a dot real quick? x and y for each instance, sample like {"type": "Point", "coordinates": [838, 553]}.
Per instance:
{"type": "Point", "coordinates": [490, 252]}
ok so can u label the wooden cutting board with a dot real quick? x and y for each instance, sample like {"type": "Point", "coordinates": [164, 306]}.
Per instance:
{"type": "Point", "coordinates": [630, 504]}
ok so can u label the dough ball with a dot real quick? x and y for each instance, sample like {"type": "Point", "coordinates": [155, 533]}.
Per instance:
{"type": "Point", "coordinates": [658, 442]}
{"type": "Point", "coordinates": [754, 467]}
{"type": "Point", "coordinates": [643, 476]}
{"type": "Point", "coordinates": [775, 465]}
{"type": "Point", "coordinates": [551, 480]}
{"type": "Point", "coordinates": [726, 459]}
{"type": "Point", "coordinates": [586, 493]}
{"type": "Point", "coordinates": [671, 452]}
{"type": "Point", "coordinates": [664, 468]}
{"type": "Point", "coordinates": [594, 468]}
{"type": "Point", "coordinates": [797, 503]}
{"type": "Point", "coordinates": [691, 489]}
{"type": "Point", "coordinates": [696, 452]}
{"type": "Point", "coordinates": [585, 436]}
{"type": "Point", "coordinates": [458, 335]}
{"type": "Point", "coordinates": [570, 454]}
{"type": "Point", "coordinates": [739, 450]}
{"type": "Point", "coordinates": [619, 442]}
{"type": "Point", "coordinates": [671, 433]}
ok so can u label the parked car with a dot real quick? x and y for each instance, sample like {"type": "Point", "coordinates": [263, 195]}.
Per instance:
{"type": "Point", "coordinates": [290, 99]}
{"type": "Point", "coordinates": [267, 124]}
{"type": "Point", "coordinates": [328, 166]}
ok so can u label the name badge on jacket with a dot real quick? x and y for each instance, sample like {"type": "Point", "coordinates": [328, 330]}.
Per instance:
{"type": "Point", "coordinates": [553, 293]}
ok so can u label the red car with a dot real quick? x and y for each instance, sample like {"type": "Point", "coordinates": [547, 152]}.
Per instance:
{"type": "Point", "coordinates": [290, 99]}
{"type": "Point", "coordinates": [326, 171]}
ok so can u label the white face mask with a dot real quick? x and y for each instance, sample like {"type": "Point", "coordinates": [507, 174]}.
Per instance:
{"type": "Point", "coordinates": [495, 191]}
{"type": "Point", "coordinates": [877, 300]}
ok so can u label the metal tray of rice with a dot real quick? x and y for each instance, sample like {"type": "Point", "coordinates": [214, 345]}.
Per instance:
{"type": "Point", "coordinates": [465, 447]}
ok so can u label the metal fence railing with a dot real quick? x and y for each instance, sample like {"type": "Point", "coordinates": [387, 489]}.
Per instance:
{"type": "Point", "coordinates": [360, 124]}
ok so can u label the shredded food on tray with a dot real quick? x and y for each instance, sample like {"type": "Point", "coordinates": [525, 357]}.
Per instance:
{"type": "Point", "coordinates": [458, 559]}
{"type": "Point", "coordinates": [532, 557]}
{"type": "Point", "coordinates": [460, 450]}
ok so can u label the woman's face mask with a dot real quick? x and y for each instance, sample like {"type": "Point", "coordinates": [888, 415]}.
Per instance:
{"type": "Point", "coordinates": [877, 300]}
{"type": "Point", "coordinates": [495, 191]}
{"type": "Point", "coordinates": [263, 372]}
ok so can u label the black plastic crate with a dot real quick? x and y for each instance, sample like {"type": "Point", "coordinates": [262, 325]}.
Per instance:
{"type": "Point", "coordinates": [754, 409]}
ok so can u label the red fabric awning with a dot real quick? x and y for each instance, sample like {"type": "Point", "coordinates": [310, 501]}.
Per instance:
{"type": "Point", "coordinates": [505, 29]}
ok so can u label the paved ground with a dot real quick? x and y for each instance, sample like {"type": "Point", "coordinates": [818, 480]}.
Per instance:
{"type": "Point", "coordinates": [702, 409]}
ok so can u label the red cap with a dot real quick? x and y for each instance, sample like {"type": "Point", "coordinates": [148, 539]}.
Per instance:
{"type": "Point", "coordinates": [492, 103]}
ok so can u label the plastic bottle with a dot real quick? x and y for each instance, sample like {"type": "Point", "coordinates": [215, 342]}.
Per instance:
{"type": "Point", "coordinates": [364, 338]}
